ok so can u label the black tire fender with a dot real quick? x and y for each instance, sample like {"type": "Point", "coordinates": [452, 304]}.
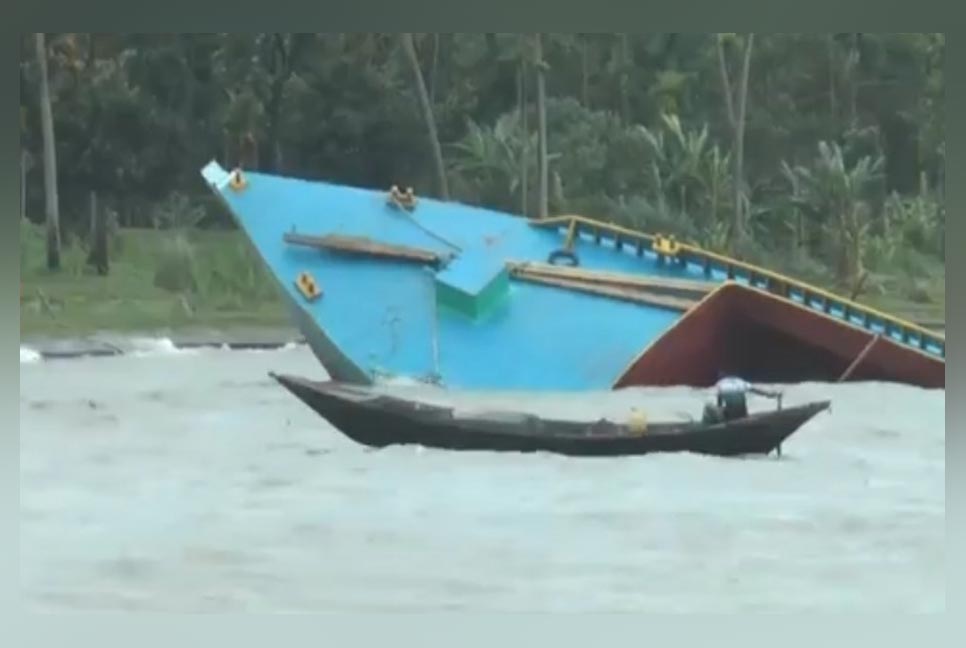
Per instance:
{"type": "Point", "coordinates": [563, 254]}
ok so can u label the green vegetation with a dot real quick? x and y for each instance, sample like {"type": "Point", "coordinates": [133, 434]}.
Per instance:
{"type": "Point", "coordinates": [159, 280]}
{"type": "Point", "coordinates": [818, 155]}
{"type": "Point", "coordinates": [164, 280]}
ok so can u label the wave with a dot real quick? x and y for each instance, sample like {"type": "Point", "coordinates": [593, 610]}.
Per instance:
{"type": "Point", "coordinates": [152, 347]}
{"type": "Point", "coordinates": [141, 347]}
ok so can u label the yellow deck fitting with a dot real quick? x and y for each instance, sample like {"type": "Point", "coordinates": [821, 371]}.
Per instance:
{"type": "Point", "coordinates": [667, 246]}
{"type": "Point", "coordinates": [238, 182]}
{"type": "Point", "coordinates": [774, 283]}
{"type": "Point", "coordinates": [402, 199]}
{"type": "Point", "coordinates": [308, 286]}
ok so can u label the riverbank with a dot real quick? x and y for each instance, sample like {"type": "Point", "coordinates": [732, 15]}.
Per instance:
{"type": "Point", "coordinates": [209, 286]}
{"type": "Point", "coordinates": [161, 283]}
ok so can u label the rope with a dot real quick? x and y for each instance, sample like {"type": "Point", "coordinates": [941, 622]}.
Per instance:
{"type": "Point", "coordinates": [394, 194]}
{"type": "Point", "coordinates": [435, 331]}
{"type": "Point", "coordinates": [431, 233]}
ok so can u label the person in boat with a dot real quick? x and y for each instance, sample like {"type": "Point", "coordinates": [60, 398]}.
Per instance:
{"type": "Point", "coordinates": [732, 397]}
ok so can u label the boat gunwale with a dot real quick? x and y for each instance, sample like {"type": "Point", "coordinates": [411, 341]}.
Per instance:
{"type": "Point", "coordinates": [752, 269]}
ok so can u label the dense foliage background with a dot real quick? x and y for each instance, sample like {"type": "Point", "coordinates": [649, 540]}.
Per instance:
{"type": "Point", "coordinates": [820, 154]}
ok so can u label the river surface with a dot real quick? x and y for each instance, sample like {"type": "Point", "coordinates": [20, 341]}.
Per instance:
{"type": "Point", "coordinates": [190, 481]}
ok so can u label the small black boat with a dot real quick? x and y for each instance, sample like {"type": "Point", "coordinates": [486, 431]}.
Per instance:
{"type": "Point", "coordinates": [378, 420]}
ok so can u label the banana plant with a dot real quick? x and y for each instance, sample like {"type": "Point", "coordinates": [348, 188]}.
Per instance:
{"type": "Point", "coordinates": [837, 197]}
{"type": "Point", "coordinates": [688, 174]}
{"type": "Point", "coordinates": [489, 159]}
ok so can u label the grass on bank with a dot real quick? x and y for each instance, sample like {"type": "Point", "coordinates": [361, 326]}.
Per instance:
{"type": "Point", "coordinates": [167, 280]}
{"type": "Point", "coordinates": [176, 280]}
{"type": "Point", "coordinates": [908, 284]}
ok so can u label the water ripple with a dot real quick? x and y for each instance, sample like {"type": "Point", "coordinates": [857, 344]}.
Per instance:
{"type": "Point", "coordinates": [190, 482]}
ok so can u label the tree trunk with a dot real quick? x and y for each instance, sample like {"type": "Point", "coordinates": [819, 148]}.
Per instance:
{"type": "Point", "coordinates": [187, 69]}
{"type": "Point", "coordinates": [427, 109]}
{"type": "Point", "coordinates": [852, 217]}
{"type": "Point", "coordinates": [283, 63]}
{"type": "Point", "coordinates": [279, 160]}
{"type": "Point", "coordinates": [50, 159]}
{"type": "Point", "coordinates": [832, 99]}
{"type": "Point", "coordinates": [714, 192]}
{"type": "Point", "coordinates": [91, 52]}
{"type": "Point", "coordinates": [736, 117]}
{"type": "Point", "coordinates": [624, 58]}
{"type": "Point", "coordinates": [544, 207]}
{"type": "Point", "coordinates": [854, 82]}
{"type": "Point", "coordinates": [98, 256]}
{"type": "Point", "coordinates": [23, 185]}
{"type": "Point", "coordinates": [92, 224]}
{"type": "Point", "coordinates": [740, 215]}
{"type": "Point", "coordinates": [248, 151]}
{"type": "Point", "coordinates": [434, 70]}
{"type": "Point", "coordinates": [274, 110]}
{"type": "Point", "coordinates": [800, 235]}
{"type": "Point", "coordinates": [725, 82]}
{"type": "Point", "coordinates": [525, 155]}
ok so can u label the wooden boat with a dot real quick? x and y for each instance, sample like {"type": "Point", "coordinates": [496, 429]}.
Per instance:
{"type": "Point", "coordinates": [388, 284]}
{"type": "Point", "coordinates": [378, 420]}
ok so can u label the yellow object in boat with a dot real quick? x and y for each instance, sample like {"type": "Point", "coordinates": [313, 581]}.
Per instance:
{"type": "Point", "coordinates": [637, 421]}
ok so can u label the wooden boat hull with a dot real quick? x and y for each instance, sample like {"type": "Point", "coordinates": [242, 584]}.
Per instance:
{"type": "Point", "coordinates": [379, 420]}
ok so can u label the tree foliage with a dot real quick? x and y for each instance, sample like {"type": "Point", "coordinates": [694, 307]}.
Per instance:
{"type": "Point", "coordinates": [842, 144]}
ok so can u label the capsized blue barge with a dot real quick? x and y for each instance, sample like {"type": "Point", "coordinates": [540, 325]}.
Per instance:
{"type": "Point", "coordinates": [471, 298]}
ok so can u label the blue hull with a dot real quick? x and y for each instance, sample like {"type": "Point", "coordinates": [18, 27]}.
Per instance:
{"type": "Point", "coordinates": [383, 317]}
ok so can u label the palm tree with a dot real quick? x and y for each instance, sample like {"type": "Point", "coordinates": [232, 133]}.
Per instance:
{"type": "Point", "coordinates": [833, 188]}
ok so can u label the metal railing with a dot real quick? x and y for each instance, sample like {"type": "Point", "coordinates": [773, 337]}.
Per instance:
{"type": "Point", "coordinates": [786, 287]}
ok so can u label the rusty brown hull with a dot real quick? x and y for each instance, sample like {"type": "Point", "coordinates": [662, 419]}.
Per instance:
{"type": "Point", "coordinates": [762, 338]}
